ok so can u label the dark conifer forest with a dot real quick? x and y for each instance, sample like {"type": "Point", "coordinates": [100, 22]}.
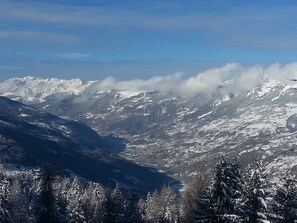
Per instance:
{"type": "Point", "coordinates": [230, 195]}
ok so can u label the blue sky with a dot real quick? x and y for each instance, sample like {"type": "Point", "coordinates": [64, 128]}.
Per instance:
{"type": "Point", "coordinates": [129, 39]}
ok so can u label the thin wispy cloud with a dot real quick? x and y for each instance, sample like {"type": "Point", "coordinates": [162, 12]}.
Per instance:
{"type": "Point", "coordinates": [39, 37]}
{"type": "Point", "coordinates": [7, 67]}
{"type": "Point", "coordinates": [147, 17]}
{"type": "Point", "coordinates": [74, 55]}
{"type": "Point", "coordinates": [235, 26]}
{"type": "Point", "coordinates": [217, 31]}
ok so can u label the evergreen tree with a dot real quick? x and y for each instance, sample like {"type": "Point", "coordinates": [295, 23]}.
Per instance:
{"type": "Point", "coordinates": [46, 198]}
{"type": "Point", "coordinates": [196, 205]}
{"type": "Point", "coordinates": [154, 211]}
{"type": "Point", "coordinates": [21, 204]}
{"type": "Point", "coordinates": [220, 202]}
{"type": "Point", "coordinates": [151, 209]}
{"type": "Point", "coordinates": [286, 200]}
{"type": "Point", "coordinates": [237, 188]}
{"type": "Point", "coordinates": [115, 206]}
{"type": "Point", "coordinates": [205, 208]}
{"type": "Point", "coordinates": [162, 207]}
{"type": "Point", "coordinates": [4, 195]}
{"type": "Point", "coordinates": [226, 191]}
{"type": "Point", "coordinates": [94, 204]}
{"type": "Point", "coordinates": [256, 209]}
{"type": "Point", "coordinates": [75, 201]}
{"type": "Point", "coordinates": [171, 205]}
{"type": "Point", "coordinates": [133, 213]}
{"type": "Point", "coordinates": [142, 208]}
{"type": "Point", "coordinates": [221, 193]}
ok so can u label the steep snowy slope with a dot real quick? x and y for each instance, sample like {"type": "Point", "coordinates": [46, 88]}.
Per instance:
{"type": "Point", "coordinates": [29, 138]}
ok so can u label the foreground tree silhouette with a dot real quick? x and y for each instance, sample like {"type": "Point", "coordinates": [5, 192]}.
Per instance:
{"type": "Point", "coordinates": [162, 206]}
{"type": "Point", "coordinates": [21, 200]}
{"type": "Point", "coordinates": [94, 203]}
{"type": "Point", "coordinates": [226, 191]}
{"type": "Point", "coordinates": [133, 209]}
{"type": "Point", "coordinates": [115, 205]}
{"type": "Point", "coordinates": [4, 194]}
{"type": "Point", "coordinates": [286, 200]}
{"type": "Point", "coordinates": [256, 209]}
{"type": "Point", "coordinates": [75, 200]}
{"type": "Point", "coordinates": [196, 200]}
{"type": "Point", "coordinates": [40, 196]}
{"type": "Point", "coordinates": [221, 201]}
{"type": "Point", "coordinates": [46, 212]}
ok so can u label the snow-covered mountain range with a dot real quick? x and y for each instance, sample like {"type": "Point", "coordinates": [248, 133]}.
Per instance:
{"type": "Point", "coordinates": [178, 135]}
{"type": "Point", "coordinates": [31, 89]}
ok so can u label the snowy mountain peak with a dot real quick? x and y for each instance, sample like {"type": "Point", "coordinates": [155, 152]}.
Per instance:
{"type": "Point", "coordinates": [35, 89]}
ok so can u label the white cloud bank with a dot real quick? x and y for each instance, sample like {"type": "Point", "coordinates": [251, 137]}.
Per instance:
{"type": "Point", "coordinates": [231, 78]}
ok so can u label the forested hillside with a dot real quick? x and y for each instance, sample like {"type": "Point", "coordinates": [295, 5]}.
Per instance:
{"type": "Point", "coordinates": [232, 195]}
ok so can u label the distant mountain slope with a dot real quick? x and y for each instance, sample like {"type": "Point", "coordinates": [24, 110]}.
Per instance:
{"type": "Point", "coordinates": [183, 136]}
{"type": "Point", "coordinates": [29, 137]}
